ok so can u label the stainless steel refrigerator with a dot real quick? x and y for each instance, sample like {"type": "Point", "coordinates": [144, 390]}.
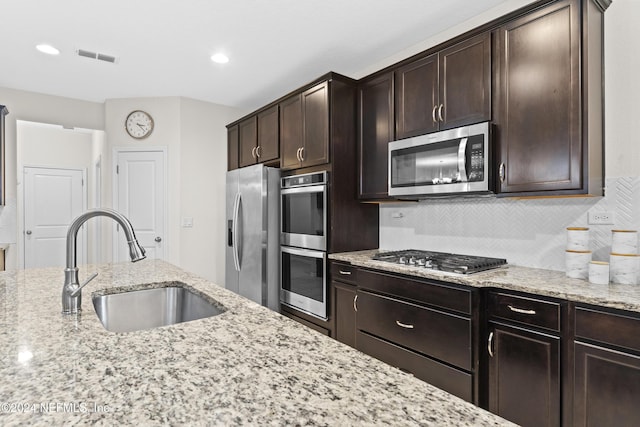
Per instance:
{"type": "Point", "coordinates": [252, 247]}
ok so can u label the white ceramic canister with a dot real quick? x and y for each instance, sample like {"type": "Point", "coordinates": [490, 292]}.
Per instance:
{"type": "Point", "coordinates": [578, 238]}
{"type": "Point", "coordinates": [624, 268]}
{"type": "Point", "coordinates": [577, 264]}
{"type": "Point", "coordinates": [599, 272]}
{"type": "Point", "coordinates": [624, 241]}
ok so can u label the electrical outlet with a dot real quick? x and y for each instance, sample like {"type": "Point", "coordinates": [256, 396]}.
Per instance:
{"type": "Point", "coordinates": [601, 218]}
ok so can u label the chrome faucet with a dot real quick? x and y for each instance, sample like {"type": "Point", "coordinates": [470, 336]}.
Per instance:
{"type": "Point", "coordinates": [71, 291]}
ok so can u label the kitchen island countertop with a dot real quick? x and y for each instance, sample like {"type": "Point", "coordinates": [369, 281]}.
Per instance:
{"type": "Point", "coordinates": [247, 366]}
{"type": "Point", "coordinates": [549, 283]}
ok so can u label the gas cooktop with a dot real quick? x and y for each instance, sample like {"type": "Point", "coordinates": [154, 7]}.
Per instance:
{"type": "Point", "coordinates": [455, 263]}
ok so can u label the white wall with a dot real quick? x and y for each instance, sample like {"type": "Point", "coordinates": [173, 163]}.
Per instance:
{"type": "Point", "coordinates": [195, 137]}
{"type": "Point", "coordinates": [34, 107]}
{"type": "Point", "coordinates": [532, 232]}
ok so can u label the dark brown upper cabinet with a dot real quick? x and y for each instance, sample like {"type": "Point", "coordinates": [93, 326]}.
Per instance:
{"type": "Point", "coordinates": [258, 138]}
{"type": "Point", "coordinates": [446, 89]}
{"type": "Point", "coordinates": [248, 140]}
{"type": "Point", "coordinates": [376, 129]}
{"type": "Point", "coordinates": [549, 100]}
{"type": "Point", "coordinates": [268, 147]}
{"type": "Point", "coordinates": [304, 124]}
{"type": "Point", "coordinates": [232, 147]}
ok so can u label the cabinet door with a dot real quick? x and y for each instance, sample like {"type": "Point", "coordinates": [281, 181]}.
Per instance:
{"type": "Point", "coordinates": [417, 97]}
{"type": "Point", "coordinates": [376, 114]}
{"type": "Point", "coordinates": [290, 131]}
{"type": "Point", "coordinates": [232, 147]}
{"type": "Point", "coordinates": [607, 387]}
{"type": "Point", "coordinates": [315, 102]}
{"type": "Point", "coordinates": [538, 113]}
{"type": "Point", "coordinates": [524, 376]}
{"type": "Point", "coordinates": [465, 82]}
{"type": "Point", "coordinates": [345, 299]}
{"type": "Point", "coordinates": [248, 131]}
{"type": "Point", "coordinates": [268, 143]}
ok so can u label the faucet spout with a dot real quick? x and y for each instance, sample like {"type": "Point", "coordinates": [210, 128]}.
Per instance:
{"type": "Point", "coordinates": [71, 291]}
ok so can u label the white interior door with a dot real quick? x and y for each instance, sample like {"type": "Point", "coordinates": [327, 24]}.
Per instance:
{"type": "Point", "coordinates": [140, 196]}
{"type": "Point", "coordinates": [52, 199]}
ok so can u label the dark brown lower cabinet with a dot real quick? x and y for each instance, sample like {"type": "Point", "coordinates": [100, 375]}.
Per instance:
{"type": "Point", "coordinates": [524, 375]}
{"type": "Point", "coordinates": [607, 387]}
{"type": "Point", "coordinates": [344, 298]}
{"type": "Point", "coordinates": [607, 368]}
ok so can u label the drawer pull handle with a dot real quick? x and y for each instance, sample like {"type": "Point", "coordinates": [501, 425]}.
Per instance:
{"type": "Point", "coordinates": [355, 303]}
{"type": "Point", "coordinates": [344, 273]}
{"type": "Point", "coordinates": [521, 310]}
{"type": "Point", "coordinates": [489, 344]}
{"type": "Point", "coordinates": [404, 325]}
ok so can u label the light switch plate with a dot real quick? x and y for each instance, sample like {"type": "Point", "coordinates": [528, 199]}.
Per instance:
{"type": "Point", "coordinates": [187, 221]}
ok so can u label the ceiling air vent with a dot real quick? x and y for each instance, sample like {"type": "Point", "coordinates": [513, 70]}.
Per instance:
{"type": "Point", "coordinates": [95, 55]}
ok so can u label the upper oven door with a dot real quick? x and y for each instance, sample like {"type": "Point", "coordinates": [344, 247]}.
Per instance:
{"type": "Point", "coordinates": [304, 217]}
{"type": "Point", "coordinates": [452, 161]}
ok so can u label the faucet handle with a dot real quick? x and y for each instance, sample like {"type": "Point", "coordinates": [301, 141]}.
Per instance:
{"type": "Point", "coordinates": [77, 291]}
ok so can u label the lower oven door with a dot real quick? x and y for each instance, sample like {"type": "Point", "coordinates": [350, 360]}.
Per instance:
{"type": "Point", "coordinates": [303, 284]}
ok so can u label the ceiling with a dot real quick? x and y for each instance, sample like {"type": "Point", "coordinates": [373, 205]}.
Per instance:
{"type": "Point", "coordinates": [163, 47]}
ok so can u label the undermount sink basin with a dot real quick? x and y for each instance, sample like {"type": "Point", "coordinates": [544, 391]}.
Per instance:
{"type": "Point", "coordinates": [165, 304]}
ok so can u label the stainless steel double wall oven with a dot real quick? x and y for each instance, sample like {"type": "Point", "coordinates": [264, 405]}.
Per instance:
{"type": "Point", "coordinates": [303, 242]}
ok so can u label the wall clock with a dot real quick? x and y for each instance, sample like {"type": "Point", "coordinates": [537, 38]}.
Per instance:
{"type": "Point", "coordinates": [139, 124]}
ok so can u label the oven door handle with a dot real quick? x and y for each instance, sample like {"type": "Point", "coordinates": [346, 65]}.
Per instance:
{"type": "Point", "coordinates": [234, 234]}
{"type": "Point", "coordinates": [309, 189]}
{"type": "Point", "coordinates": [462, 160]}
{"type": "Point", "coordinates": [303, 252]}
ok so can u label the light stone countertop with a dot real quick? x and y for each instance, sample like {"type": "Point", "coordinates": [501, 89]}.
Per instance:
{"type": "Point", "coordinates": [531, 280]}
{"type": "Point", "coordinates": [247, 366]}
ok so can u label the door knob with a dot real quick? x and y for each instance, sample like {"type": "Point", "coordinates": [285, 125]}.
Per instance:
{"type": "Point", "coordinates": [158, 239]}
{"type": "Point", "coordinates": [28, 232]}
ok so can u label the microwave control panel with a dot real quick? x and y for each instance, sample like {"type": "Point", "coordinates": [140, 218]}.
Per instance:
{"type": "Point", "coordinates": [475, 159]}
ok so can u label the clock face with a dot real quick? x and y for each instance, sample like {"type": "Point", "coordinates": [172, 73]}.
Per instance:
{"type": "Point", "coordinates": [139, 124]}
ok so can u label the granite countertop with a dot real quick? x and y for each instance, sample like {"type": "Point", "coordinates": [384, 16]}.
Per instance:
{"type": "Point", "coordinates": [247, 366]}
{"type": "Point", "coordinates": [535, 281]}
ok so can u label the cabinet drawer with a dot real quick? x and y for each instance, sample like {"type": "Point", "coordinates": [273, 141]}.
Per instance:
{"type": "Point", "coordinates": [423, 292]}
{"type": "Point", "coordinates": [437, 334]}
{"type": "Point", "coordinates": [344, 272]}
{"type": "Point", "coordinates": [609, 328]}
{"type": "Point", "coordinates": [440, 375]}
{"type": "Point", "coordinates": [529, 311]}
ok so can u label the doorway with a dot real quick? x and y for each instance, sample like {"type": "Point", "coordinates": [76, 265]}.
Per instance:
{"type": "Point", "coordinates": [139, 193]}
{"type": "Point", "coordinates": [53, 197]}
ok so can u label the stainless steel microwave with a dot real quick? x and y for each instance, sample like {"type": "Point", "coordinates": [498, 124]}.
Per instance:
{"type": "Point", "coordinates": [442, 163]}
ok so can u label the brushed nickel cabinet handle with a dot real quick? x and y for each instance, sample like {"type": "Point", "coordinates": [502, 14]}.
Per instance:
{"type": "Point", "coordinates": [344, 273]}
{"type": "Point", "coordinates": [253, 152]}
{"type": "Point", "coordinates": [489, 344]}
{"type": "Point", "coordinates": [433, 114]}
{"type": "Point", "coordinates": [502, 172]}
{"type": "Point", "coordinates": [404, 325]}
{"type": "Point", "coordinates": [298, 154]}
{"type": "Point", "coordinates": [258, 151]}
{"type": "Point", "coordinates": [440, 113]}
{"type": "Point", "coordinates": [302, 154]}
{"type": "Point", "coordinates": [355, 303]}
{"type": "Point", "coordinates": [521, 310]}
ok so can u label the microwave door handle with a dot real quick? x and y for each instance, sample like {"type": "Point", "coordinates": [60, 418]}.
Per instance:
{"type": "Point", "coordinates": [234, 233]}
{"type": "Point", "coordinates": [462, 159]}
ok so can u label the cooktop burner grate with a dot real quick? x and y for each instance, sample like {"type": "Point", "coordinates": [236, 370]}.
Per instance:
{"type": "Point", "coordinates": [455, 263]}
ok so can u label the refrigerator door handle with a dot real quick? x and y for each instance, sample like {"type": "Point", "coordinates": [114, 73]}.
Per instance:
{"type": "Point", "coordinates": [234, 233]}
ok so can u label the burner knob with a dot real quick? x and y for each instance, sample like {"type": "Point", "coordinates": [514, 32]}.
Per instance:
{"type": "Point", "coordinates": [422, 262]}
{"type": "Point", "coordinates": [412, 261]}
{"type": "Point", "coordinates": [428, 263]}
{"type": "Point", "coordinates": [402, 260]}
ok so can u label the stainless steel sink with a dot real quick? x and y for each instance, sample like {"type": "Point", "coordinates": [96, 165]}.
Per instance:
{"type": "Point", "coordinates": [164, 304]}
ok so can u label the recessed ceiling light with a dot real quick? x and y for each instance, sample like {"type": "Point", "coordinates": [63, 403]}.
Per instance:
{"type": "Point", "coordinates": [220, 58]}
{"type": "Point", "coordinates": [48, 49]}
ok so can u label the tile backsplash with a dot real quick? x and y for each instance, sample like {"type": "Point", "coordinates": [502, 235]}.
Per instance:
{"type": "Point", "coordinates": [527, 232]}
